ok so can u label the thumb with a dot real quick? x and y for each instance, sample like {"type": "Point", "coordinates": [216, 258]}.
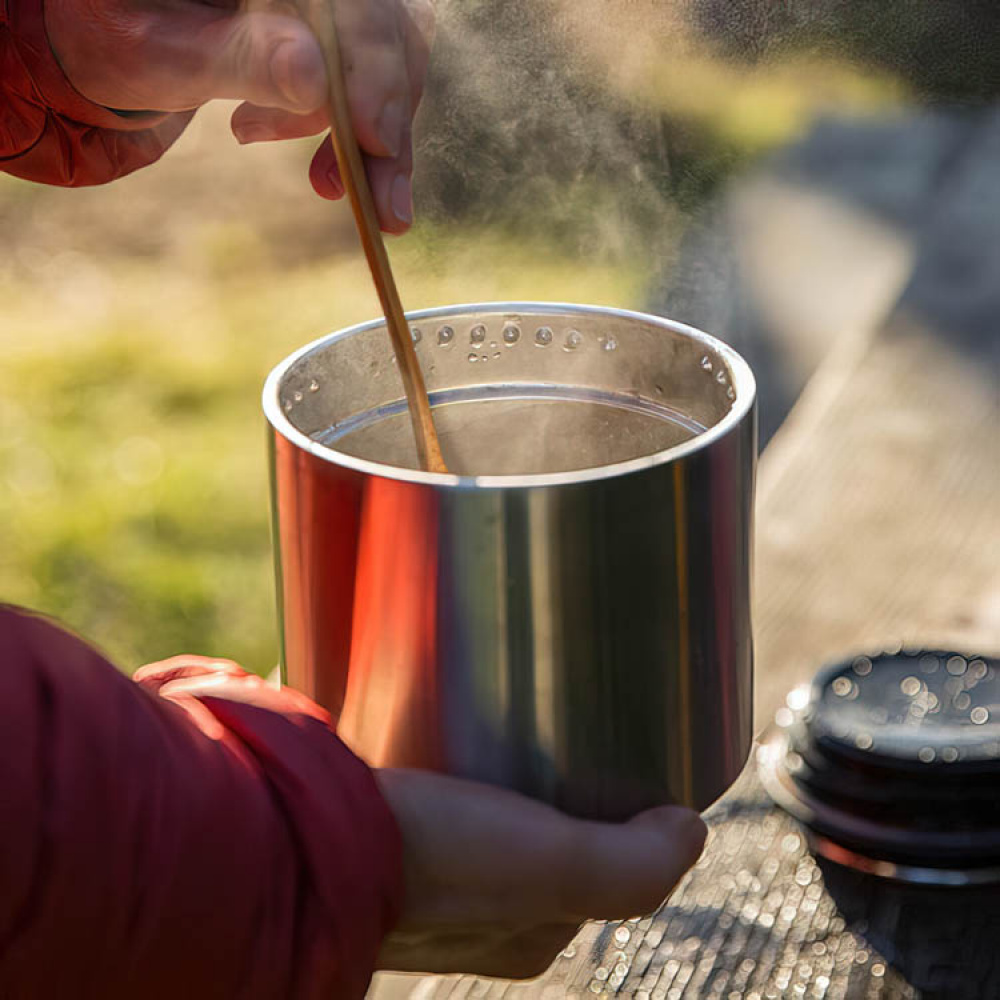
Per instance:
{"type": "Point", "coordinates": [268, 59]}
{"type": "Point", "coordinates": [178, 57]}
{"type": "Point", "coordinates": [627, 870]}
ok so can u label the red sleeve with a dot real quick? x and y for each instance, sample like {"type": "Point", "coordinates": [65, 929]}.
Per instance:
{"type": "Point", "coordinates": [212, 839]}
{"type": "Point", "coordinates": [52, 134]}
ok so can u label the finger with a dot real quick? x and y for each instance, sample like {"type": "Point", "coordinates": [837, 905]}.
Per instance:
{"type": "Point", "coordinates": [389, 179]}
{"type": "Point", "coordinates": [392, 190]}
{"type": "Point", "coordinates": [253, 123]}
{"type": "Point", "coordinates": [242, 687]}
{"type": "Point", "coordinates": [543, 866]}
{"type": "Point", "coordinates": [615, 871]}
{"type": "Point", "coordinates": [324, 173]}
{"type": "Point", "coordinates": [155, 675]}
{"type": "Point", "coordinates": [488, 950]}
{"type": "Point", "coordinates": [175, 58]}
{"type": "Point", "coordinates": [372, 44]}
{"type": "Point", "coordinates": [419, 28]}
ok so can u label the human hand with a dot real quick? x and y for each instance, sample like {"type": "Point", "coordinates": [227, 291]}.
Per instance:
{"type": "Point", "coordinates": [174, 56]}
{"type": "Point", "coordinates": [497, 884]}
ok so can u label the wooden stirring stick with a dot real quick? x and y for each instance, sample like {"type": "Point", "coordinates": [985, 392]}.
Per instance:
{"type": "Point", "coordinates": [319, 16]}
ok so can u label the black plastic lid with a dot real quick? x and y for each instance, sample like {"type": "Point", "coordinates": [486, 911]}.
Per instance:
{"type": "Point", "coordinates": [896, 757]}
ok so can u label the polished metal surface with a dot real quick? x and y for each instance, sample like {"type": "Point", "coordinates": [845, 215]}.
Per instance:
{"type": "Point", "coordinates": [570, 616]}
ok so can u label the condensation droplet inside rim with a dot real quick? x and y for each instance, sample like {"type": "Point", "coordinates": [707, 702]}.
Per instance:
{"type": "Point", "coordinates": [477, 335]}
{"type": "Point", "coordinates": [445, 335]}
{"type": "Point", "coordinates": [842, 686]}
{"type": "Point", "coordinates": [543, 336]}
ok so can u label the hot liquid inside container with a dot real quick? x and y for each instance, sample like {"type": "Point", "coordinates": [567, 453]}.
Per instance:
{"type": "Point", "coordinates": [567, 614]}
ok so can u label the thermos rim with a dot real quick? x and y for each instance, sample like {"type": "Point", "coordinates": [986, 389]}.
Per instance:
{"type": "Point", "coordinates": [742, 381]}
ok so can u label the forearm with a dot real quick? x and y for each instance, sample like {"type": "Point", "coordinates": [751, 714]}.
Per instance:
{"type": "Point", "coordinates": [218, 842]}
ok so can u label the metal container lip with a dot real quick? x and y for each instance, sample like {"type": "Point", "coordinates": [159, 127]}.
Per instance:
{"type": "Point", "coordinates": [743, 383]}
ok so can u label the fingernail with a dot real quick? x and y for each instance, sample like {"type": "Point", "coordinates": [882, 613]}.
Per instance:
{"type": "Point", "coordinates": [251, 132]}
{"type": "Point", "coordinates": [402, 199]}
{"type": "Point", "coordinates": [295, 76]}
{"type": "Point", "coordinates": [390, 126]}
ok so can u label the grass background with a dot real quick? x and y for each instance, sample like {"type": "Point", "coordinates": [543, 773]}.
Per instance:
{"type": "Point", "coordinates": [138, 321]}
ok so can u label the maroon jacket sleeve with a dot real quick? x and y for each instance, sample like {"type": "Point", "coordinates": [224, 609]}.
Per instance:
{"type": "Point", "coordinates": [193, 835]}
{"type": "Point", "coordinates": [52, 134]}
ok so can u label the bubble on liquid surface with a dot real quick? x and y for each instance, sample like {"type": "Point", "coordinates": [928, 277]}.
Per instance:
{"type": "Point", "coordinates": [314, 386]}
{"type": "Point", "coordinates": [706, 363]}
{"type": "Point", "coordinates": [511, 334]}
{"type": "Point", "coordinates": [477, 334]}
{"type": "Point", "coordinates": [288, 406]}
{"type": "Point", "coordinates": [417, 334]}
{"type": "Point", "coordinates": [543, 336]}
{"type": "Point", "coordinates": [446, 336]}
{"type": "Point", "coordinates": [573, 340]}
{"type": "Point", "coordinates": [297, 396]}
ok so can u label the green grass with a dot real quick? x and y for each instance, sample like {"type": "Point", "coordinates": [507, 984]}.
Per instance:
{"type": "Point", "coordinates": [132, 459]}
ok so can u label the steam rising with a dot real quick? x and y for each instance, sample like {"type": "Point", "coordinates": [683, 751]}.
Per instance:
{"type": "Point", "coordinates": [525, 129]}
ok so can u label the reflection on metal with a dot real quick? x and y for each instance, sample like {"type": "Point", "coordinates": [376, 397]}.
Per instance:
{"type": "Point", "coordinates": [580, 635]}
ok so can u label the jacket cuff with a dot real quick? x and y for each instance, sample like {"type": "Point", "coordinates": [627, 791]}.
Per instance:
{"type": "Point", "coordinates": [26, 19]}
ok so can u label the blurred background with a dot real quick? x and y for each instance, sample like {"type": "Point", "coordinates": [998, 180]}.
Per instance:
{"type": "Point", "coordinates": [768, 170]}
